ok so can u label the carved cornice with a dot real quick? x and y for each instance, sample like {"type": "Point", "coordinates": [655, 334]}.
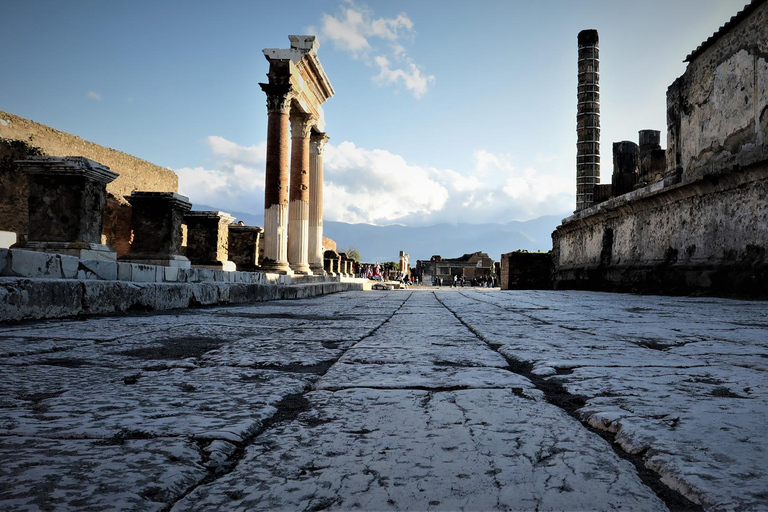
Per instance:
{"type": "Point", "coordinates": [279, 97]}
{"type": "Point", "coordinates": [301, 124]}
{"type": "Point", "coordinates": [317, 143]}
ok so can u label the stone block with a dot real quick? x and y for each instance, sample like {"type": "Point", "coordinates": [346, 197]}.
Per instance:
{"type": "Point", "coordinates": [69, 266]}
{"type": "Point", "coordinates": [143, 273]}
{"type": "Point", "coordinates": [171, 274]}
{"type": "Point", "coordinates": [205, 274]}
{"type": "Point", "coordinates": [3, 261]}
{"type": "Point", "coordinates": [7, 239]}
{"type": "Point", "coordinates": [124, 271]}
{"type": "Point", "coordinates": [97, 269]}
{"type": "Point", "coordinates": [159, 274]}
{"type": "Point", "coordinates": [22, 263]}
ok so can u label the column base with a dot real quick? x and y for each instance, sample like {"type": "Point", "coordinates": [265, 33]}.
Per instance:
{"type": "Point", "coordinates": [228, 266]}
{"type": "Point", "coordinates": [317, 270]}
{"type": "Point", "coordinates": [302, 269]}
{"type": "Point", "coordinates": [276, 267]}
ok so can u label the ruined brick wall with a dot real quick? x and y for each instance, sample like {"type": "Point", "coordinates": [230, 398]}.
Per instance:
{"type": "Point", "coordinates": [135, 174]}
{"type": "Point", "coordinates": [14, 186]}
{"type": "Point", "coordinates": [717, 111]}
{"type": "Point", "coordinates": [705, 226]}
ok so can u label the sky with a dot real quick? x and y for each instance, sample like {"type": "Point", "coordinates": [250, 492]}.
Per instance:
{"type": "Point", "coordinates": [445, 111]}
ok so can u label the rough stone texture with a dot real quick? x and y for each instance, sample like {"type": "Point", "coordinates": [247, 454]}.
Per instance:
{"type": "Point", "coordinates": [526, 271]}
{"type": "Point", "coordinates": [402, 400]}
{"type": "Point", "coordinates": [134, 174]}
{"type": "Point", "coordinates": [66, 199]}
{"type": "Point", "coordinates": [703, 228]}
{"type": "Point", "coordinates": [243, 246]}
{"type": "Point", "coordinates": [14, 184]}
{"type": "Point", "coordinates": [718, 109]}
{"type": "Point", "coordinates": [207, 237]}
{"type": "Point", "coordinates": [35, 299]}
{"type": "Point", "coordinates": [156, 220]}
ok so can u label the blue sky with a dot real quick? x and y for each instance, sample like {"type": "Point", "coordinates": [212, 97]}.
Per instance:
{"type": "Point", "coordinates": [445, 111]}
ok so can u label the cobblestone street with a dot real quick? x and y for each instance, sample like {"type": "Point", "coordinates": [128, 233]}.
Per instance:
{"type": "Point", "coordinates": [443, 399]}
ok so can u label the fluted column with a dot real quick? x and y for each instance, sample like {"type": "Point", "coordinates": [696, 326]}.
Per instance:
{"type": "Point", "coordinates": [276, 181]}
{"type": "Point", "coordinates": [298, 208]}
{"type": "Point", "coordinates": [316, 146]}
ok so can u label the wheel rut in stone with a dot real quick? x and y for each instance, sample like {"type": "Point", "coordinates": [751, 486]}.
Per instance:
{"type": "Point", "coordinates": [556, 394]}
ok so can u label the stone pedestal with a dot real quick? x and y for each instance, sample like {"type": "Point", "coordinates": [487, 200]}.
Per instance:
{"type": "Point", "coordinates": [332, 262]}
{"type": "Point", "coordinates": [67, 196]}
{"type": "Point", "coordinates": [156, 219]}
{"type": "Point", "coordinates": [244, 247]}
{"type": "Point", "coordinates": [208, 239]}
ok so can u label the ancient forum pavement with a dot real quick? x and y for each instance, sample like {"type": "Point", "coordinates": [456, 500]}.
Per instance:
{"type": "Point", "coordinates": [424, 399]}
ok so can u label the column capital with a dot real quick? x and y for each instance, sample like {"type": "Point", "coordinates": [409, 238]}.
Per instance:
{"type": "Point", "coordinates": [317, 142]}
{"type": "Point", "coordinates": [279, 97]}
{"type": "Point", "coordinates": [301, 124]}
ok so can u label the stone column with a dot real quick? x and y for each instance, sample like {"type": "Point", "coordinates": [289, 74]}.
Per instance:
{"type": "Point", "coordinates": [67, 196]}
{"type": "Point", "coordinates": [208, 239]}
{"type": "Point", "coordinates": [244, 247]}
{"type": "Point", "coordinates": [156, 219]}
{"type": "Point", "coordinates": [316, 146]}
{"type": "Point", "coordinates": [298, 209]}
{"type": "Point", "coordinates": [276, 182]}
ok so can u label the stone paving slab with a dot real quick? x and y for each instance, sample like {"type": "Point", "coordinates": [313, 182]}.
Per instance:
{"type": "Point", "coordinates": [411, 399]}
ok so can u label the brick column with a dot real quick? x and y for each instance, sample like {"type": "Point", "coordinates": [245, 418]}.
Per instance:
{"type": "Point", "coordinates": [316, 146]}
{"type": "Point", "coordinates": [298, 209]}
{"type": "Point", "coordinates": [276, 180]}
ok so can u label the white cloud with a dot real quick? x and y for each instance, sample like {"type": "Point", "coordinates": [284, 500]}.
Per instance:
{"type": "Point", "coordinates": [412, 79]}
{"type": "Point", "coordinates": [376, 186]}
{"type": "Point", "coordinates": [235, 184]}
{"type": "Point", "coordinates": [94, 95]}
{"type": "Point", "coordinates": [356, 30]}
{"type": "Point", "coordinates": [380, 187]}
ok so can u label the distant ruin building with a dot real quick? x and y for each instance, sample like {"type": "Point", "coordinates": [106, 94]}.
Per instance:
{"type": "Point", "coordinates": [588, 119]}
{"type": "Point", "coordinates": [21, 138]}
{"type": "Point", "coordinates": [470, 266]}
{"type": "Point", "coordinates": [693, 216]}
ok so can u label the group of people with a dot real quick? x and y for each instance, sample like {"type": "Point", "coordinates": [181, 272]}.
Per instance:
{"type": "Point", "coordinates": [484, 281]}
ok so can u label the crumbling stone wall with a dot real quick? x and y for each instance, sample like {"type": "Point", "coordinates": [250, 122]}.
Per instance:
{"type": "Point", "coordinates": [134, 174]}
{"type": "Point", "coordinates": [717, 111]}
{"type": "Point", "coordinates": [704, 226]}
{"type": "Point", "coordinates": [522, 270]}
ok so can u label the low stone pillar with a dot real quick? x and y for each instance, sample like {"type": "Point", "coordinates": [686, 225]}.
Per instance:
{"type": "Point", "coordinates": [156, 219]}
{"type": "Point", "coordinates": [244, 247]}
{"type": "Point", "coordinates": [331, 262]}
{"type": "Point", "coordinates": [67, 196]}
{"type": "Point", "coordinates": [208, 239]}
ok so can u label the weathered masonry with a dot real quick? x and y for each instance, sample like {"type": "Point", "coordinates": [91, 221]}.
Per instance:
{"type": "Point", "coordinates": [696, 220]}
{"type": "Point", "coordinates": [293, 225]}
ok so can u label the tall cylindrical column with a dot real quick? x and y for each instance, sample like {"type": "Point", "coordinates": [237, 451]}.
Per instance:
{"type": "Point", "coordinates": [316, 146]}
{"type": "Point", "coordinates": [588, 119]}
{"type": "Point", "coordinates": [276, 181]}
{"type": "Point", "coordinates": [298, 208]}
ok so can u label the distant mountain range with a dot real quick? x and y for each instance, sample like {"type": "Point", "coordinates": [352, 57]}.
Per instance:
{"type": "Point", "coordinates": [383, 243]}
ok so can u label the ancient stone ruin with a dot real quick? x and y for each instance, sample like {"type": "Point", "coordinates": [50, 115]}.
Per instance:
{"type": "Point", "coordinates": [691, 218]}
{"type": "Point", "coordinates": [296, 90]}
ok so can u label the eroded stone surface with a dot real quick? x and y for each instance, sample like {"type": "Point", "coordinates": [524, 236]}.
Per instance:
{"type": "Point", "coordinates": [414, 399]}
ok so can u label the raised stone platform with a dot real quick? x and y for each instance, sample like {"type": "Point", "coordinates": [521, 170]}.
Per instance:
{"type": "Point", "coordinates": [35, 285]}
